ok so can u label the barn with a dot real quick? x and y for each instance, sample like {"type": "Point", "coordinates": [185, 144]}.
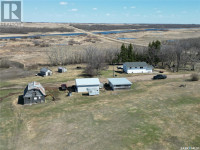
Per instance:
{"type": "Point", "coordinates": [34, 93]}
{"type": "Point", "coordinates": [88, 85]}
{"type": "Point", "coordinates": [45, 72]}
{"type": "Point", "coordinates": [119, 83]}
{"type": "Point", "coordinates": [62, 69]}
{"type": "Point", "coordinates": [137, 67]}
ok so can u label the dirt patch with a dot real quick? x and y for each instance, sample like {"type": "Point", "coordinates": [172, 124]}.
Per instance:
{"type": "Point", "coordinates": [10, 94]}
{"type": "Point", "coordinates": [13, 73]}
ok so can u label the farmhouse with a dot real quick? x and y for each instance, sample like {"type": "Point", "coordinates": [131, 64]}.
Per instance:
{"type": "Point", "coordinates": [90, 85]}
{"type": "Point", "coordinates": [137, 67]}
{"type": "Point", "coordinates": [62, 69]}
{"type": "Point", "coordinates": [45, 72]}
{"type": "Point", "coordinates": [34, 93]}
{"type": "Point", "coordinates": [119, 83]}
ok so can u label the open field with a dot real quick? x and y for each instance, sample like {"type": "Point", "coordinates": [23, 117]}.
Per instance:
{"type": "Point", "coordinates": [98, 27]}
{"type": "Point", "coordinates": [30, 51]}
{"type": "Point", "coordinates": [151, 115]}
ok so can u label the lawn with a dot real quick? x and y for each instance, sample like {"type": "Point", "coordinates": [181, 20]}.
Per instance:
{"type": "Point", "coordinates": [151, 115]}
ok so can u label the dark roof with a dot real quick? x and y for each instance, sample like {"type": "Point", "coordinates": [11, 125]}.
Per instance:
{"type": "Point", "coordinates": [137, 64]}
{"type": "Point", "coordinates": [44, 70]}
{"type": "Point", "coordinates": [35, 85]}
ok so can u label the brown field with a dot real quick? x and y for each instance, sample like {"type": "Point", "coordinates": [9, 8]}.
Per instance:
{"type": "Point", "coordinates": [152, 115]}
{"type": "Point", "coordinates": [33, 51]}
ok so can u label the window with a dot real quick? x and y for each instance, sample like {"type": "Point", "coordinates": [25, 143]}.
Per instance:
{"type": "Point", "coordinates": [141, 67]}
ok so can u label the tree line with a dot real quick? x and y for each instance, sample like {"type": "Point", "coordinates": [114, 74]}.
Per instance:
{"type": "Point", "coordinates": [172, 54]}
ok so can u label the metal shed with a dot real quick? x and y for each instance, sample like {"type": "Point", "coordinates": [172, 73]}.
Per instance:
{"type": "Point", "coordinates": [84, 84]}
{"type": "Point", "coordinates": [34, 93]}
{"type": "Point", "coordinates": [62, 69]}
{"type": "Point", "coordinates": [119, 83]}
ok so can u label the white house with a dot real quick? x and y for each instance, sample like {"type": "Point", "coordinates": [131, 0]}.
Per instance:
{"type": "Point", "coordinates": [137, 67]}
{"type": "Point", "coordinates": [88, 85]}
{"type": "Point", "coordinates": [45, 72]}
{"type": "Point", "coordinates": [119, 83]}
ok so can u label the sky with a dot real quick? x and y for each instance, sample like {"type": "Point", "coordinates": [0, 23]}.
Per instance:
{"type": "Point", "coordinates": [112, 11]}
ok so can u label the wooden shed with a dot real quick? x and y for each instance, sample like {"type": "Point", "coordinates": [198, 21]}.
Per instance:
{"type": "Point", "coordinates": [34, 93]}
{"type": "Point", "coordinates": [62, 69]}
{"type": "Point", "coordinates": [45, 72]}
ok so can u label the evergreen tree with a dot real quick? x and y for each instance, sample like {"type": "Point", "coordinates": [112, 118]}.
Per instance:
{"type": "Point", "coordinates": [123, 53]}
{"type": "Point", "coordinates": [126, 54]}
{"type": "Point", "coordinates": [131, 53]}
{"type": "Point", "coordinates": [153, 52]}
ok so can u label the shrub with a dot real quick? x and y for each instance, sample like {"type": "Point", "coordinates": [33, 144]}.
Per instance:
{"type": "Point", "coordinates": [194, 77]}
{"type": "Point", "coordinates": [44, 45]}
{"type": "Point", "coordinates": [36, 43]}
{"type": "Point", "coordinates": [36, 37]}
{"type": "Point", "coordinates": [4, 63]}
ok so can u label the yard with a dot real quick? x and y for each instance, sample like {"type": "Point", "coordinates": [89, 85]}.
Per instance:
{"type": "Point", "coordinates": [151, 115]}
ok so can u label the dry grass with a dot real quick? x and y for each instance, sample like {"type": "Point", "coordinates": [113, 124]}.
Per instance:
{"type": "Point", "coordinates": [152, 115]}
{"type": "Point", "coordinates": [24, 50]}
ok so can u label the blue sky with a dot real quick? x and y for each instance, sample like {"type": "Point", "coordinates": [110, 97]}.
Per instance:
{"type": "Point", "coordinates": [112, 11]}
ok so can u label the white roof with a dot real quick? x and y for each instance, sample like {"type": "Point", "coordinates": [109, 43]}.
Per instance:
{"type": "Point", "coordinates": [87, 81]}
{"type": "Point", "coordinates": [119, 81]}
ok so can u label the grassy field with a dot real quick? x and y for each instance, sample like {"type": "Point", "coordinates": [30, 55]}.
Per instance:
{"type": "Point", "coordinates": [151, 115]}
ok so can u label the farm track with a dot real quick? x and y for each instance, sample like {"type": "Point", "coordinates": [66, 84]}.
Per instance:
{"type": "Point", "coordinates": [99, 36]}
{"type": "Point", "coordinates": [104, 80]}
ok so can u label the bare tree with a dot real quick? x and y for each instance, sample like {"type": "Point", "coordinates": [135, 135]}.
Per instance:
{"type": "Point", "coordinates": [193, 57]}
{"type": "Point", "coordinates": [95, 60]}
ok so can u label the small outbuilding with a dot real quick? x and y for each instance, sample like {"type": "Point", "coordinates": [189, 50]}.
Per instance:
{"type": "Point", "coordinates": [137, 67]}
{"type": "Point", "coordinates": [34, 93]}
{"type": "Point", "coordinates": [45, 72]}
{"type": "Point", "coordinates": [93, 91]}
{"type": "Point", "coordinates": [119, 83]}
{"type": "Point", "coordinates": [62, 69]}
{"type": "Point", "coordinates": [88, 85]}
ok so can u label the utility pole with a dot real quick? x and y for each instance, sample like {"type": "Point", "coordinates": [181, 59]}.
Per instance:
{"type": "Point", "coordinates": [113, 70]}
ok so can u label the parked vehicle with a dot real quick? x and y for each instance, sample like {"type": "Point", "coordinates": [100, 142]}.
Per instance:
{"type": "Point", "coordinates": [159, 76]}
{"type": "Point", "coordinates": [119, 67]}
{"type": "Point", "coordinates": [63, 87]}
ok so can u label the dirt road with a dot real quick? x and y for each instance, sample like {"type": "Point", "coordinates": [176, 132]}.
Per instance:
{"type": "Point", "coordinates": [104, 80]}
{"type": "Point", "coordinates": [132, 79]}
{"type": "Point", "coordinates": [100, 36]}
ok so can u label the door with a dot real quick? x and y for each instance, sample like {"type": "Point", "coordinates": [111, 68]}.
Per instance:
{"type": "Point", "coordinates": [35, 97]}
